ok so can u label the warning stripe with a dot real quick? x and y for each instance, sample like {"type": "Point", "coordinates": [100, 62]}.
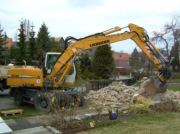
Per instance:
{"type": "Point", "coordinates": [149, 50]}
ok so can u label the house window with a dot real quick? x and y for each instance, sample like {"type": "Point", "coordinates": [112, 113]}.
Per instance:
{"type": "Point", "coordinates": [176, 67]}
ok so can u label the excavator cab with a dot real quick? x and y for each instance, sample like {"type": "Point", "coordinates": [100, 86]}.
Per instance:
{"type": "Point", "coordinates": [50, 60]}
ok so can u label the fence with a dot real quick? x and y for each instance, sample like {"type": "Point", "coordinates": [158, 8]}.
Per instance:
{"type": "Point", "coordinates": [96, 85]}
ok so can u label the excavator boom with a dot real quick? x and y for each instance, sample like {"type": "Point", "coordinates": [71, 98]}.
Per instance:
{"type": "Point", "coordinates": [136, 33]}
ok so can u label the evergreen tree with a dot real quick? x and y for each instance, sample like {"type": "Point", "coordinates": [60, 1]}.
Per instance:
{"type": "Point", "coordinates": [103, 62]}
{"type": "Point", "coordinates": [39, 57]}
{"type": "Point", "coordinates": [134, 59]}
{"type": "Point", "coordinates": [78, 70]}
{"type": "Point", "coordinates": [1, 46]}
{"type": "Point", "coordinates": [21, 46]}
{"type": "Point", "coordinates": [56, 48]}
{"type": "Point", "coordinates": [43, 39]}
{"type": "Point", "coordinates": [85, 62]}
{"type": "Point", "coordinates": [32, 44]}
{"type": "Point", "coordinates": [13, 53]}
{"type": "Point", "coordinates": [53, 42]}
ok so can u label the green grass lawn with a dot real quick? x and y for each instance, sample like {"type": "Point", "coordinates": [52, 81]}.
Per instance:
{"type": "Point", "coordinates": [28, 110]}
{"type": "Point", "coordinates": [174, 81]}
{"type": "Point", "coordinates": [137, 83]}
{"type": "Point", "coordinates": [174, 88]}
{"type": "Point", "coordinates": [149, 123]}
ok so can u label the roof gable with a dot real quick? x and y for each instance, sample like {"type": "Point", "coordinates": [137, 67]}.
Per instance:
{"type": "Point", "coordinates": [57, 39]}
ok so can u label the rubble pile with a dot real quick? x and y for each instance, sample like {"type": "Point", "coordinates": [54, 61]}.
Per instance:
{"type": "Point", "coordinates": [119, 95]}
{"type": "Point", "coordinates": [166, 96]}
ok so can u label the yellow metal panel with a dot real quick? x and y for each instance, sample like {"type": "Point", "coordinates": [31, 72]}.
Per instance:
{"type": "Point", "coordinates": [14, 82]}
{"type": "Point", "coordinates": [25, 75]}
{"type": "Point", "coordinates": [14, 73]}
{"type": "Point", "coordinates": [32, 76]}
{"type": "Point", "coordinates": [32, 71]}
{"type": "Point", "coordinates": [68, 84]}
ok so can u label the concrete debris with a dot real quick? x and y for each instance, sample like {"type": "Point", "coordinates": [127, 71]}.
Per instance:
{"type": "Point", "coordinates": [118, 95]}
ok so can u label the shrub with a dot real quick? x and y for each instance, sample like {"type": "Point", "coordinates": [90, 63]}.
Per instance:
{"type": "Point", "coordinates": [86, 72]}
{"type": "Point", "coordinates": [63, 112]}
{"type": "Point", "coordinates": [90, 76]}
{"type": "Point", "coordinates": [141, 106]}
{"type": "Point", "coordinates": [97, 77]}
{"type": "Point", "coordinates": [84, 77]}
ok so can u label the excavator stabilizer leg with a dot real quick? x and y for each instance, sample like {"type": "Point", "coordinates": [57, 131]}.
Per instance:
{"type": "Point", "coordinates": [155, 86]}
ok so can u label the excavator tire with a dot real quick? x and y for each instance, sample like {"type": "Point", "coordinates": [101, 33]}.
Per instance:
{"type": "Point", "coordinates": [155, 86]}
{"type": "Point", "coordinates": [42, 103]}
{"type": "Point", "coordinates": [65, 102]}
{"type": "Point", "coordinates": [81, 97]}
{"type": "Point", "coordinates": [18, 97]}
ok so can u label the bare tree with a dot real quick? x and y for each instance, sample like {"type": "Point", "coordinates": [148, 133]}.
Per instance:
{"type": "Point", "coordinates": [169, 35]}
{"type": "Point", "coordinates": [26, 27]}
{"type": "Point", "coordinates": [161, 37]}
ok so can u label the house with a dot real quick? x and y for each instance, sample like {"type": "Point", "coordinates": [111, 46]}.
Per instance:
{"type": "Point", "coordinates": [125, 56]}
{"type": "Point", "coordinates": [90, 52]}
{"type": "Point", "coordinates": [121, 66]}
{"type": "Point", "coordinates": [121, 62]}
{"type": "Point", "coordinates": [9, 43]}
{"type": "Point", "coordinates": [60, 41]}
{"type": "Point", "coordinates": [174, 65]}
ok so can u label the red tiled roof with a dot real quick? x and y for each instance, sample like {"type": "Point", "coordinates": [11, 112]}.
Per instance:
{"type": "Point", "coordinates": [125, 56]}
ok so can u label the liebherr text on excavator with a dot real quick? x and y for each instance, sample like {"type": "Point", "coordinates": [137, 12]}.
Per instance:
{"type": "Point", "coordinates": [27, 82]}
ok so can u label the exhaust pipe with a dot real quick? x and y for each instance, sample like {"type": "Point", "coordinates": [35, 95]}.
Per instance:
{"type": "Point", "coordinates": [24, 62]}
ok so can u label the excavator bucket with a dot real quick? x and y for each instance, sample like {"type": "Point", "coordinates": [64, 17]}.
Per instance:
{"type": "Point", "coordinates": [155, 86]}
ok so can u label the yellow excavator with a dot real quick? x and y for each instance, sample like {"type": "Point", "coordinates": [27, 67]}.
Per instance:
{"type": "Point", "coordinates": [29, 83]}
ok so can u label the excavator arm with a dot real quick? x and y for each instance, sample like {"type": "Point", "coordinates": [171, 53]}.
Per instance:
{"type": "Point", "coordinates": [136, 33]}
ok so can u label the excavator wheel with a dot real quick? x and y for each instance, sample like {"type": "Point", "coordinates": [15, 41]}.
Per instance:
{"type": "Point", "coordinates": [81, 97]}
{"type": "Point", "coordinates": [18, 97]}
{"type": "Point", "coordinates": [66, 101]}
{"type": "Point", "coordinates": [155, 86]}
{"type": "Point", "coordinates": [42, 102]}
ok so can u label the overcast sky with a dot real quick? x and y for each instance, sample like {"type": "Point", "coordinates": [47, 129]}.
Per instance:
{"type": "Point", "coordinates": [80, 18]}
